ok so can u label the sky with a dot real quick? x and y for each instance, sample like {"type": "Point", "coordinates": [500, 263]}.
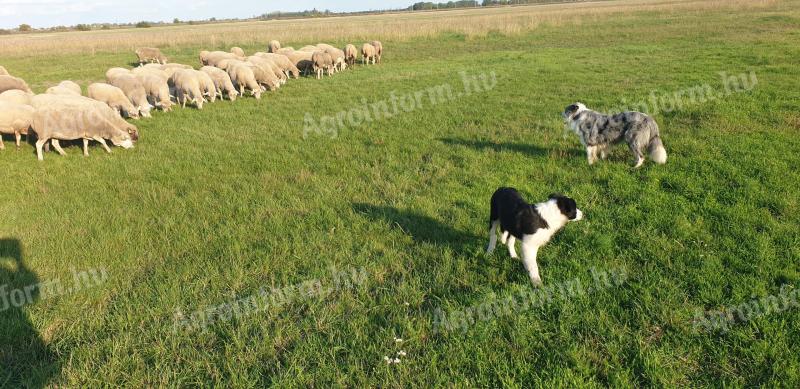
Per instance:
{"type": "Point", "coordinates": [49, 13]}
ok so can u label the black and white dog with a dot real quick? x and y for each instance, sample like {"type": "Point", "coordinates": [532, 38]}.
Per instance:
{"type": "Point", "coordinates": [533, 224]}
{"type": "Point", "coordinates": [598, 132]}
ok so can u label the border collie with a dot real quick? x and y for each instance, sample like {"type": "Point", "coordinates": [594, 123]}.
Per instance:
{"type": "Point", "coordinates": [598, 132]}
{"type": "Point", "coordinates": [533, 224]}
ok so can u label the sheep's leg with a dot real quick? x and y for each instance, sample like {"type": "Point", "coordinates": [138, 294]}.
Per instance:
{"type": "Point", "coordinates": [18, 138]}
{"type": "Point", "coordinates": [102, 143]}
{"type": "Point", "coordinates": [39, 144]}
{"type": "Point", "coordinates": [2, 145]}
{"type": "Point", "coordinates": [85, 147]}
{"type": "Point", "coordinates": [57, 146]}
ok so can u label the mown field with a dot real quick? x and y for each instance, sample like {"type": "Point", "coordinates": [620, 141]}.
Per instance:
{"type": "Point", "coordinates": [212, 206]}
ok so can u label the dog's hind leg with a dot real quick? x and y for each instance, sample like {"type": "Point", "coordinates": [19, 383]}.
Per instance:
{"type": "Point", "coordinates": [638, 155]}
{"type": "Point", "coordinates": [504, 237]}
{"type": "Point", "coordinates": [512, 251]}
{"type": "Point", "coordinates": [492, 236]}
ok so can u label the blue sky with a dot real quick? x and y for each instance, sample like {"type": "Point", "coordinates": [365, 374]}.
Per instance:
{"type": "Point", "coordinates": [48, 13]}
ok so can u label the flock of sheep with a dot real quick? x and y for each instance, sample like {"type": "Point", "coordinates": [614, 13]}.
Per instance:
{"type": "Point", "coordinates": [63, 113]}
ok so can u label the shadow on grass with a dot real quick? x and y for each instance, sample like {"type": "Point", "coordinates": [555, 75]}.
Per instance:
{"type": "Point", "coordinates": [25, 359]}
{"type": "Point", "coordinates": [522, 148]}
{"type": "Point", "coordinates": [422, 228]}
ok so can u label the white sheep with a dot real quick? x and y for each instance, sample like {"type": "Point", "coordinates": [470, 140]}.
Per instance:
{"type": "Point", "coordinates": [222, 81]}
{"type": "Point", "coordinates": [187, 87]}
{"type": "Point", "coordinates": [15, 119]}
{"type": "Point", "coordinates": [114, 98]}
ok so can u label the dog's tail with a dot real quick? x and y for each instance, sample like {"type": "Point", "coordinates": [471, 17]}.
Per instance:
{"type": "Point", "coordinates": [656, 148]}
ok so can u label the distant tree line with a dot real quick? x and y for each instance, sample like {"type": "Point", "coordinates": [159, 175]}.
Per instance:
{"type": "Point", "coordinates": [313, 13]}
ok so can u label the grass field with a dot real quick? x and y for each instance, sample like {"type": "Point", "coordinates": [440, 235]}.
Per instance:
{"type": "Point", "coordinates": [213, 206]}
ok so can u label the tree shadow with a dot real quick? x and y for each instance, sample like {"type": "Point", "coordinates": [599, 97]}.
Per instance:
{"type": "Point", "coordinates": [25, 359]}
{"type": "Point", "coordinates": [522, 148]}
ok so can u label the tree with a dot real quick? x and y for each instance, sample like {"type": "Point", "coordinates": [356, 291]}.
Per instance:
{"type": "Point", "coordinates": [25, 27]}
{"type": "Point", "coordinates": [83, 27]}
{"type": "Point", "coordinates": [176, 21]}
{"type": "Point", "coordinates": [143, 24]}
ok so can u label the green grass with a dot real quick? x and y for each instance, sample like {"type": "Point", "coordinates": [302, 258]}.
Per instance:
{"type": "Point", "coordinates": [213, 205]}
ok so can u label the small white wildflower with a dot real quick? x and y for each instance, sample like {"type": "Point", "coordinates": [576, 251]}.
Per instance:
{"type": "Point", "coordinates": [397, 360]}
{"type": "Point", "coordinates": [402, 353]}
{"type": "Point", "coordinates": [386, 358]}
{"type": "Point", "coordinates": [398, 340]}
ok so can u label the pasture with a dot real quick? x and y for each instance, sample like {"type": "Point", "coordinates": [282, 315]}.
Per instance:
{"type": "Point", "coordinates": [389, 216]}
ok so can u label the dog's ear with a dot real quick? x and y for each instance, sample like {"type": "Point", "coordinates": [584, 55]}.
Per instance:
{"type": "Point", "coordinates": [572, 108]}
{"type": "Point", "coordinates": [567, 206]}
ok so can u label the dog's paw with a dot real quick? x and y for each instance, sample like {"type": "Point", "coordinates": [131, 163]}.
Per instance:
{"type": "Point", "coordinates": [537, 282]}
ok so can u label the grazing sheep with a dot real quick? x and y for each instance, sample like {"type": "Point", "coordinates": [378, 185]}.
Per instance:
{"type": "Point", "coordinates": [114, 98]}
{"type": "Point", "coordinates": [156, 87]}
{"type": "Point", "coordinates": [3, 71]}
{"type": "Point", "coordinates": [274, 46]}
{"type": "Point", "coordinates": [350, 54]}
{"type": "Point", "coordinates": [269, 66]}
{"type": "Point", "coordinates": [264, 76]}
{"type": "Point", "coordinates": [222, 81]}
{"type": "Point", "coordinates": [338, 58]}
{"type": "Point", "coordinates": [322, 61]}
{"type": "Point", "coordinates": [117, 71]}
{"type": "Point", "coordinates": [187, 87]}
{"type": "Point", "coordinates": [16, 96]}
{"type": "Point", "coordinates": [283, 63]}
{"type": "Point", "coordinates": [151, 71]}
{"type": "Point", "coordinates": [368, 53]}
{"type": "Point", "coordinates": [237, 51]}
{"type": "Point", "coordinates": [309, 49]}
{"type": "Point", "coordinates": [60, 90]}
{"type": "Point", "coordinates": [134, 90]}
{"type": "Point", "coordinates": [11, 83]}
{"type": "Point", "coordinates": [150, 54]}
{"type": "Point", "coordinates": [242, 75]}
{"type": "Point", "coordinates": [73, 86]}
{"type": "Point", "coordinates": [285, 50]}
{"type": "Point", "coordinates": [213, 58]}
{"type": "Point", "coordinates": [207, 85]}
{"type": "Point", "coordinates": [378, 49]}
{"type": "Point", "coordinates": [15, 119]}
{"type": "Point", "coordinates": [76, 117]}
{"type": "Point", "coordinates": [301, 60]}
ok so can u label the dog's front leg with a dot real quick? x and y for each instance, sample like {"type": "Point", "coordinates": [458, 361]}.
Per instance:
{"type": "Point", "coordinates": [591, 154]}
{"type": "Point", "coordinates": [511, 250]}
{"type": "Point", "coordinates": [492, 237]}
{"type": "Point", "coordinates": [529, 252]}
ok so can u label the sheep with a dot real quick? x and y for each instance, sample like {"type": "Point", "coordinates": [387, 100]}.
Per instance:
{"type": "Point", "coordinates": [11, 83]}
{"type": "Point", "coordinates": [273, 46]}
{"type": "Point", "coordinates": [77, 117]}
{"type": "Point", "coordinates": [301, 60]}
{"type": "Point", "coordinates": [59, 90]}
{"type": "Point", "coordinates": [151, 71]}
{"type": "Point", "coordinates": [15, 119]}
{"type": "Point", "coordinates": [378, 49]}
{"type": "Point", "coordinates": [269, 66]}
{"type": "Point", "coordinates": [338, 58]}
{"type": "Point", "coordinates": [116, 71]}
{"type": "Point", "coordinates": [264, 76]}
{"type": "Point", "coordinates": [157, 89]}
{"type": "Point", "coordinates": [150, 54]}
{"type": "Point", "coordinates": [222, 81]}
{"type": "Point", "coordinates": [322, 61]}
{"type": "Point", "coordinates": [350, 54]}
{"type": "Point", "coordinates": [187, 83]}
{"type": "Point", "coordinates": [309, 48]}
{"type": "Point", "coordinates": [16, 96]}
{"type": "Point", "coordinates": [73, 86]}
{"type": "Point", "coordinates": [215, 57]}
{"type": "Point", "coordinates": [237, 51]}
{"type": "Point", "coordinates": [368, 53]}
{"type": "Point", "coordinates": [114, 98]}
{"type": "Point", "coordinates": [285, 50]}
{"type": "Point", "coordinates": [283, 63]}
{"type": "Point", "coordinates": [242, 75]}
{"type": "Point", "coordinates": [207, 85]}
{"type": "Point", "coordinates": [133, 89]}
{"type": "Point", "coordinates": [3, 71]}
